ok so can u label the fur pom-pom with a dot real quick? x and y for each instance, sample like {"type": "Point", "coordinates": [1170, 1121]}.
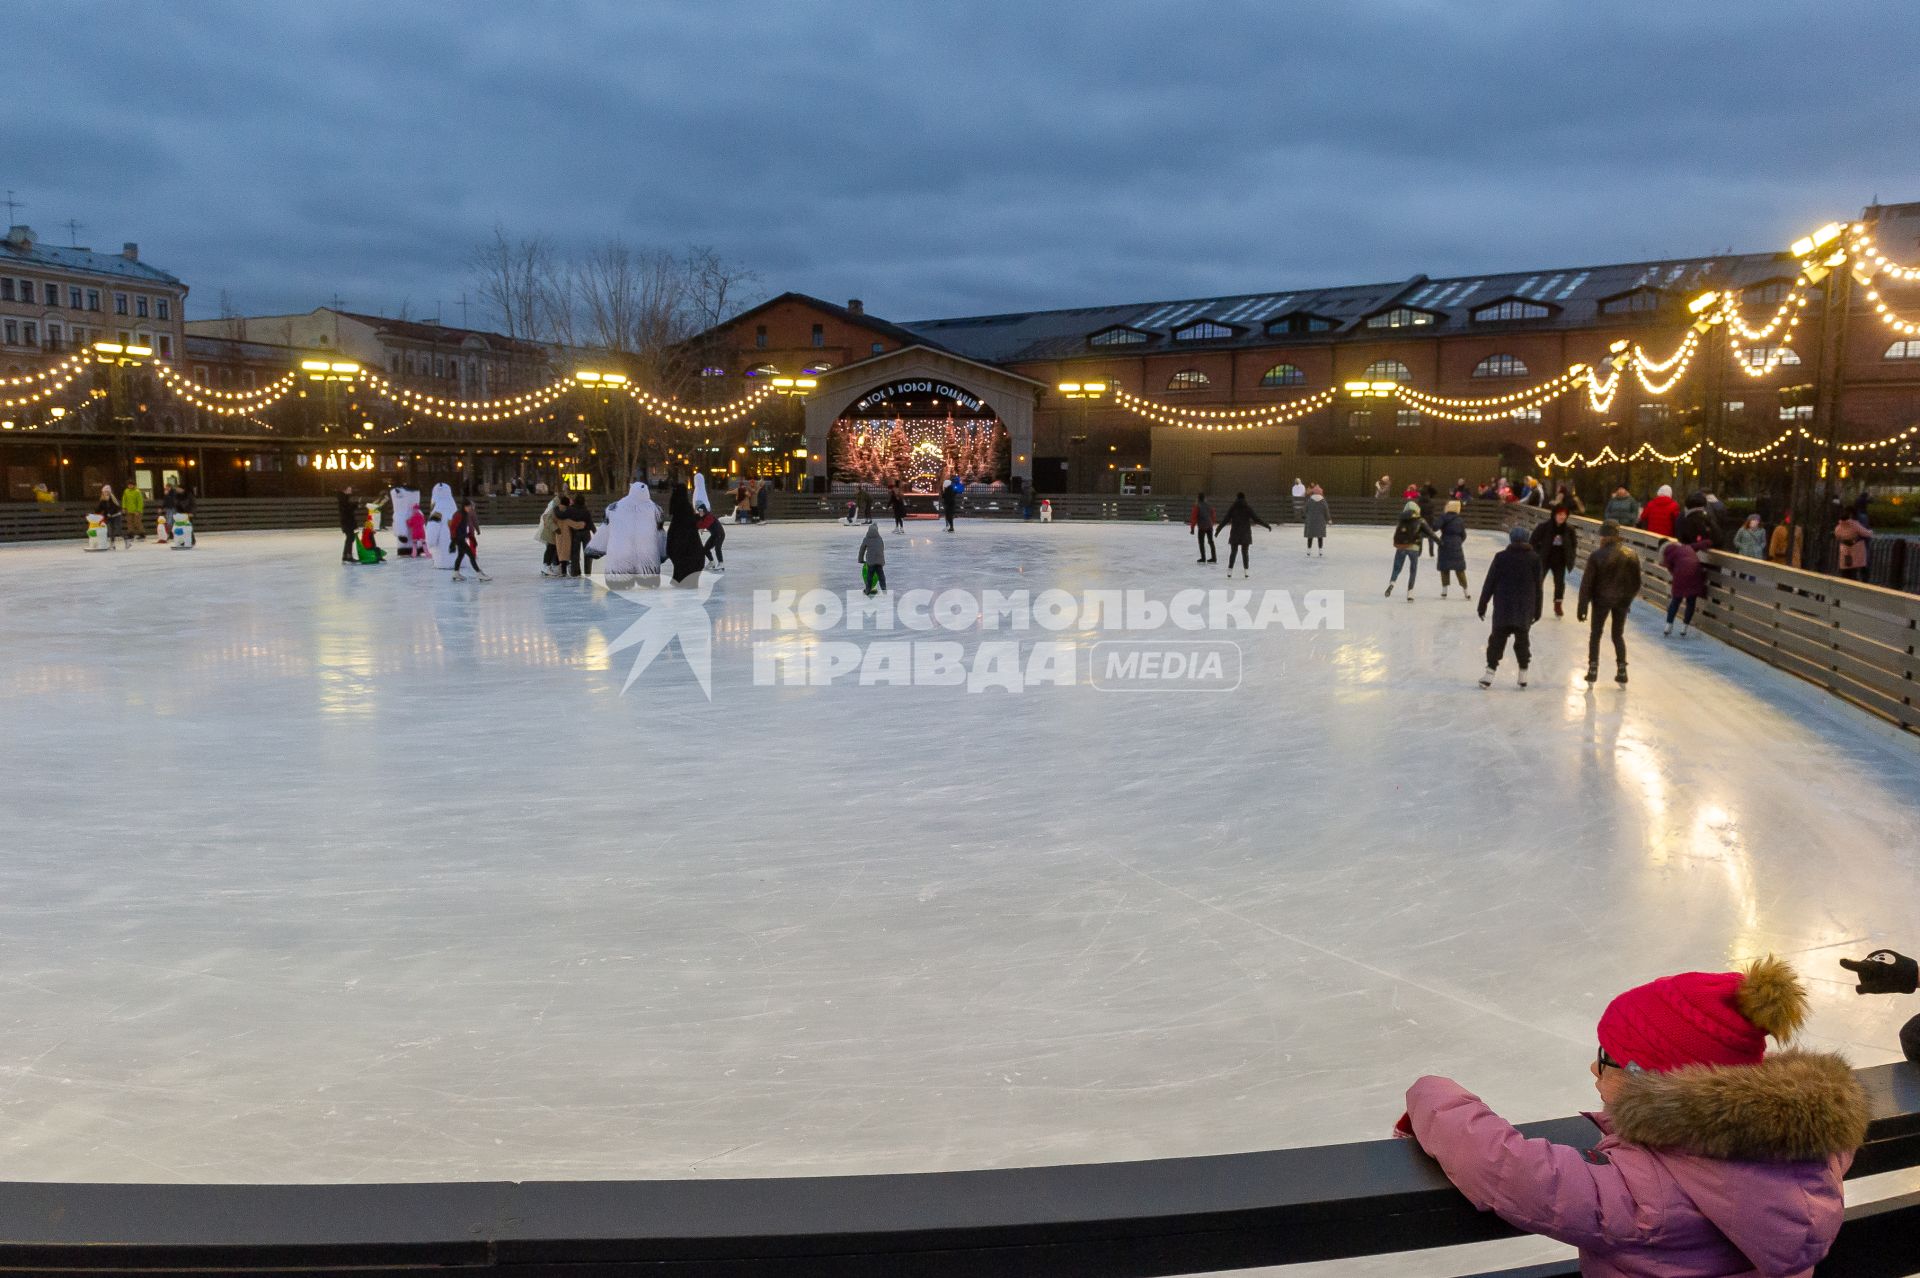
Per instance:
{"type": "Point", "coordinates": [1772, 997]}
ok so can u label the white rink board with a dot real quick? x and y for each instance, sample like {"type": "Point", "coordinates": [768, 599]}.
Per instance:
{"type": "Point", "coordinates": [328, 873]}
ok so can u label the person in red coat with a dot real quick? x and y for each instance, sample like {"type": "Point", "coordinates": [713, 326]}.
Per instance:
{"type": "Point", "coordinates": [1659, 515]}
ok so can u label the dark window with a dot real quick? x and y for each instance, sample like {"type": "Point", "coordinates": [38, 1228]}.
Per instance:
{"type": "Point", "coordinates": [166, 348]}
{"type": "Point", "coordinates": [1117, 337]}
{"type": "Point", "coordinates": [1768, 356]}
{"type": "Point", "coordinates": [53, 295]}
{"type": "Point", "coordinates": [162, 308]}
{"type": "Point", "coordinates": [30, 333]}
{"type": "Point", "coordinates": [1188, 379]}
{"type": "Point", "coordinates": [6, 289]}
{"type": "Point", "coordinates": [93, 299]}
{"type": "Point", "coordinates": [1283, 375]}
{"type": "Point", "coordinates": [1301, 324]}
{"type": "Point", "coordinates": [73, 299]}
{"type": "Point", "coordinates": [1360, 422]}
{"type": "Point", "coordinates": [10, 330]}
{"type": "Point", "coordinates": [140, 306]}
{"type": "Point", "coordinates": [760, 336]}
{"type": "Point", "coordinates": [1400, 317]}
{"type": "Point", "coordinates": [119, 303]}
{"type": "Point", "coordinates": [246, 379]}
{"type": "Point", "coordinates": [1406, 418]}
{"type": "Point", "coordinates": [1204, 331]}
{"type": "Point", "coordinates": [1766, 295]}
{"type": "Point", "coordinates": [1500, 366]}
{"type": "Point", "coordinates": [819, 335]}
{"type": "Point", "coordinates": [1637, 302]}
{"type": "Point", "coordinates": [879, 347]}
{"type": "Point", "coordinates": [1512, 309]}
{"type": "Point", "coordinates": [1387, 370]}
{"type": "Point", "coordinates": [53, 337]}
{"type": "Point", "coordinates": [1651, 414]}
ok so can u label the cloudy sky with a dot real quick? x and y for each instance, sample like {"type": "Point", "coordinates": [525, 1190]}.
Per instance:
{"type": "Point", "coordinates": [940, 159]}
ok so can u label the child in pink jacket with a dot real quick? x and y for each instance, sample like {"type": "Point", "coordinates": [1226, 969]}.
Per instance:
{"type": "Point", "coordinates": [1717, 1159]}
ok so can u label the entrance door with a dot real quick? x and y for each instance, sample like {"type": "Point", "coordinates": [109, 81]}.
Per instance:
{"type": "Point", "coordinates": [1256, 474]}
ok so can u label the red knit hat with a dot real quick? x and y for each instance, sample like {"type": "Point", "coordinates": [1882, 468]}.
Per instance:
{"type": "Point", "coordinates": [1704, 1018]}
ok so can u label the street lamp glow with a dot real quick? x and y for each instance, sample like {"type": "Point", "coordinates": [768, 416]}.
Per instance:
{"type": "Point", "coordinates": [1069, 388]}
{"type": "Point", "coordinates": [584, 376]}
{"type": "Point", "coordinates": [141, 351]}
{"type": "Point", "coordinates": [613, 379]}
{"type": "Point", "coordinates": [1703, 301]}
{"type": "Point", "coordinates": [805, 383]}
{"type": "Point", "coordinates": [783, 381]}
{"type": "Point", "coordinates": [306, 365]}
{"type": "Point", "coordinates": [109, 348]}
{"type": "Point", "coordinates": [1094, 388]}
{"type": "Point", "coordinates": [345, 368]}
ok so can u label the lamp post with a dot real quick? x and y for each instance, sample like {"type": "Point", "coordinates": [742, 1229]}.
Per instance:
{"type": "Point", "coordinates": [794, 390]}
{"type": "Point", "coordinates": [1084, 393]}
{"type": "Point", "coordinates": [118, 357]}
{"type": "Point", "coordinates": [1817, 495]}
{"type": "Point", "coordinates": [600, 387]}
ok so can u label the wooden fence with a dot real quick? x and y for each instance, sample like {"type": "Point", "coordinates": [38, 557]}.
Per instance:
{"type": "Point", "coordinates": [1857, 641]}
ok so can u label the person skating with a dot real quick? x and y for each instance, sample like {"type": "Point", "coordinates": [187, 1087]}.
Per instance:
{"type": "Point", "coordinates": [1408, 536]}
{"type": "Point", "coordinates": [416, 532]}
{"type": "Point", "coordinates": [1890, 972]}
{"type": "Point", "coordinates": [1687, 582]}
{"type": "Point", "coordinates": [1513, 586]}
{"type": "Point", "coordinates": [762, 501]}
{"type": "Point", "coordinates": [1621, 508]}
{"type": "Point", "coordinates": [872, 558]}
{"type": "Point", "coordinates": [575, 525]}
{"type": "Point", "coordinates": [108, 508]}
{"type": "Point", "coordinates": [1662, 514]}
{"type": "Point", "coordinates": [369, 551]}
{"type": "Point", "coordinates": [1200, 524]}
{"type": "Point", "coordinates": [133, 506]}
{"type": "Point", "coordinates": [1451, 556]}
{"type": "Point", "coordinates": [949, 501]}
{"type": "Point", "coordinates": [898, 505]}
{"type": "Point", "coordinates": [1317, 514]}
{"type": "Point", "coordinates": [464, 531]}
{"type": "Point", "coordinates": [683, 536]}
{"type": "Point", "coordinates": [863, 503]}
{"type": "Point", "coordinates": [549, 537]}
{"type": "Point", "coordinates": [716, 532]}
{"type": "Point", "coordinates": [1608, 587]}
{"type": "Point", "coordinates": [349, 525]}
{"type": "Point", "coordinates": [1717, 1158]}
{"type": "Point", "coordinates": [1240, 519]}
{"type": "Point", "coordinates": [1555, 540]}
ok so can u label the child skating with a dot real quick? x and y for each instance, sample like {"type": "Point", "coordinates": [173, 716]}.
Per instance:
{"type": "Point", "coordinates": [873, 561]}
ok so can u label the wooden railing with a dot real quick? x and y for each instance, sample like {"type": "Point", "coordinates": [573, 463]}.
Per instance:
{"type": "Point", "coordinates": [1857, 641]}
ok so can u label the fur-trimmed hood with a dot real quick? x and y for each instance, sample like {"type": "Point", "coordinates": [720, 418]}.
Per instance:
{"type": "Point", "coordinates": [1795, 1106]}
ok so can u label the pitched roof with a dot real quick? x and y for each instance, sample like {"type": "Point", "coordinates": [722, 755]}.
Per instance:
{"type": "Point", "coordinates": [86, 260]}
{"type": "Point", "coordinates": [441, 334]}
{"type": "Point", "coordinates": [899, 333]}
{"type": "Point", "coordinates": [1575, 291]}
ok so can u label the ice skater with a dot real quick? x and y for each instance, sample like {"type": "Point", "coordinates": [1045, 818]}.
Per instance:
{"type": "Point", "coordinates": [1200, 524]}
{"type": "Point", "coordinates": [1687, 583]}
{"type": "Point", "coordinates": [110, 512]}
{"type": "Point", "coordinates": [1715, 1157]}
{"type": "Point", "coordinates": [1451, 557]}
{"type": "Point", "coordinates": [898, 505]}
{"type": "Point", "coordinates": [1608, 586]}
{"type": "Point", "coordinates": [873, 561]}
{"type": "Point", "coordinates": [416, 531]}
{"type": "Point", "coordinates": [349, 525]}
{"type": "Point", "coordinates": [1240, 519]}
{"type": "Point", "coordinates": [464, 532]}
{"type": "Point", "coordinates": [1409, 535]}
{"type": "Point", "coordinates": [1513, 586]}
{"type": "Point", "coordinates": [1555, 539]}
{"type": "Point", "coordinates": [709, 523]}
{"type": "Point", "coordinates": [949, 501]}
{"type": "Point", "coordinates": [1314, 518]}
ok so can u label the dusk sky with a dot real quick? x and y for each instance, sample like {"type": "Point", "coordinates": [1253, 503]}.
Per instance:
{"type": "Point", "coordinates": [940, 160]}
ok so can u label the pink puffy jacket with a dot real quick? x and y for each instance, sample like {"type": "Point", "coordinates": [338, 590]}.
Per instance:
{"type": "Point", "coordinates": [1755, 1192]}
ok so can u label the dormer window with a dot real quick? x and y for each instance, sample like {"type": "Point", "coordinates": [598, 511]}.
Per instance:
{"type": "Point", "coordinates": [1640, 301]}
{"type": "Point", "coordinates": [1400, 317]}
{"type": "Point", "coordinates": [1203, 331]}
{"type": "Point", "coordinates": [1118, 337]}
{"type": "Point", "coordinates": [1771, 293]}
{"type": "Point", "coordinates": [1300, 322]}
{"type": "Point", "coordinates": [1513, 308]}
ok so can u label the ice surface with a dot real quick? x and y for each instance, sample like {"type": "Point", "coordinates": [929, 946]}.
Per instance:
{"type": "Point", "coordinates": [326, 873]}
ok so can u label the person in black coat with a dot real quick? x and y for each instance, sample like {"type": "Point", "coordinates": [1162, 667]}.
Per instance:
{"type": "Point", "coordinates": [350, 525]}
{"type": "Point", "coordinates": [949, 503]}
{"type": "Point", "coordinates": [575, 512]}
{"type": "Point", "coordinates": [1239, 521]}
{"type": "Point", "coordinates": [1513, 587]}
{"type": "Point", "coordinates": [1697, 524]}
{"type": "Point", "coordinates": [683, 536]}
{"type": "Point", "coordinates": [1554, 540]}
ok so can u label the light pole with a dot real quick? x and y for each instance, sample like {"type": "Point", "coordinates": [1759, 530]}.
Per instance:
{"type": "Point", "coordinates": [601, 387]}
{"type": "Point", "coordinates": [1367, 391]}
{"type": "Point", "coordinates": [1085, 393]}
{"type": "Point", "coordinates": [794, 390]}
{"type": "Point", "coordinates": [118, 358]}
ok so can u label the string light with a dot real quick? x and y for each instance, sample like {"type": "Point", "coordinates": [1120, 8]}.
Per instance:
{"type": "Point", "coordinates": [1881, 264]}
{"type": "Point", "coordinates": [466, 410]}
{"type": "Point", "coordinates": [225, 404]}
{"type": "Point", "coordinates": [57, 379]}
{"type": "Point", "coordinates": [693, 415]}
{"type": "Point", "coordinates": [71, 363]}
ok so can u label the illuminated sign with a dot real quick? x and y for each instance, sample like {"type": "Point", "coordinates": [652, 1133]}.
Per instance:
{"type": "Point", "coordinates": [342, 459]}
{"type": "Point", "coordinates": [900, 390]}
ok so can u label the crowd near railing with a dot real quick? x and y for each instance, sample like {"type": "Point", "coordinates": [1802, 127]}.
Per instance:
{"type": "Point", "coordinates": [1117, 1220]}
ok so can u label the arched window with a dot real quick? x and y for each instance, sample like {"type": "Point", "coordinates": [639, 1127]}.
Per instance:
{"type": "Point", "coordinates": [1906, 349]}
{"type": "Point", "coordinates": [1204, 331]}
{"type": "Point", "coordinates": [1188, 379]}
{"type": "Point", "coordinates": [1387, 370]}
{"type": "Point", "coordinates": [1501, 366]}
{"type": "Point", "coordinates": [1283, 375]}
{"type": "Point", "coordinates": [1768, 356]}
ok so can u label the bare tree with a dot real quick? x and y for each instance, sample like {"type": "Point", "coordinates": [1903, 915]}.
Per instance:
{"type": "Point", "coordinates": [515, 278]}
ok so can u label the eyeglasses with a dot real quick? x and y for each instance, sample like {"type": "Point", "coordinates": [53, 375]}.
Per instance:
{"type": "Point", "coordinates": [1607, 1062]}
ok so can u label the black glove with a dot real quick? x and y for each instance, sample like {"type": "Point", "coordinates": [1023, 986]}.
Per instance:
{"type": "Point", "coordinates": [1884, 972]}
{"type": "Point", "coordinates": [1910, 1040]}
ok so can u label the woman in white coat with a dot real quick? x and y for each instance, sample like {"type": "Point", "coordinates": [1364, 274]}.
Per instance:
{"type": "Point", "coordinates": [633, 536]}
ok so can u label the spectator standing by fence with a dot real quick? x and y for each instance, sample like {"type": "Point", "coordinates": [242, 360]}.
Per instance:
{"type": "Point", "coordinates": [1852, 547]}
{"type": "Point", "coordinates": [1751, 539]}
{"type": "Point", "coordinates": [1716, 1158]}
{"type": "Point", "coordinates": [1661, 514]}
{"type": "Point", "coordinates": [1780, 541]}
{"type": "Point", "coordinates": [1687, 582]}
{"type": "Point", "coordinates": [1607, 589]}
{"type": "Point", "coordinates": [1621, 508]}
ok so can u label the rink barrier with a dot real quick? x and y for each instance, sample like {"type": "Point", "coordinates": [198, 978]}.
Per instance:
{"type": "Point", "coordinates": [1117, 1220]}
{"type": "Point", "coordinates": [1074, 507]}
{"type": "Point", "coordinates": [67, 521]}
{"type": "Point", "coordinates": [1859, 642]}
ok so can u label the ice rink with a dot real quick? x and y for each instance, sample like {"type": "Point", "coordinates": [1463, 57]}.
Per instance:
{"type": "Point", "coordinates": [361, 874]}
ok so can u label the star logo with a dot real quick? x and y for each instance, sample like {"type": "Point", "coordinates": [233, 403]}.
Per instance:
{"type": "Point", "coordinates": [667, 613]}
